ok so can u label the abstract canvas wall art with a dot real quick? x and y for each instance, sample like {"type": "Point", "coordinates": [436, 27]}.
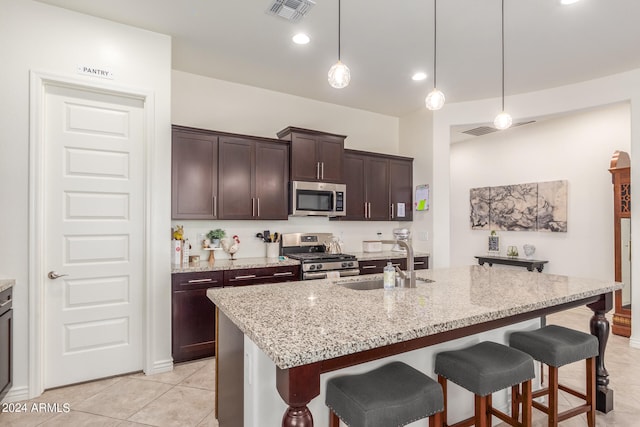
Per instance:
{"type": "Point", "coordinates": [520, 207]}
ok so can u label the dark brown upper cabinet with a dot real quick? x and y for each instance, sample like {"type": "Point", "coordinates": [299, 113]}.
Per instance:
{"type": "Point", "coordinates": [315, 156]}
{"type": "Point", "coordinates": [253, 177]}
{"type": "Point", "coordinates": [194, 175]}
{"type": "Point", "coordinates": [218, 175]}
{"type": "Point", "coordinates": [377, 185]}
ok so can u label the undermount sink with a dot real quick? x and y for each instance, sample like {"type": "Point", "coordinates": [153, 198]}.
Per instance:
{"type": "Point", "coordinates": [370, 284]}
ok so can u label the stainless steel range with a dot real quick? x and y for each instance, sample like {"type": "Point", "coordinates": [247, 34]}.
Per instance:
{"type": "Point", "coordinates": [316, 263]}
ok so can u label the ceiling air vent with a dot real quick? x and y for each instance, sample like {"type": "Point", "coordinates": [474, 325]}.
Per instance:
{"type": "Point", "coordinates": [483, 130]}
{"type": "Point", "coordinates": [480, 130]}
{"type": "Point", "coordinates": [291, 10]}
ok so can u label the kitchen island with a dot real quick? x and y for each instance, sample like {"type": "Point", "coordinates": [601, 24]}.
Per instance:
{"type": "Point", "coordinates": [291, 337]}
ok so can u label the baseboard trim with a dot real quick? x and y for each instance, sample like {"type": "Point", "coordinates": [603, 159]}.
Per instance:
{"type": "Point", "coordinates": [17, 394]}
{"type": "Point", "coordinates": [160, 367]}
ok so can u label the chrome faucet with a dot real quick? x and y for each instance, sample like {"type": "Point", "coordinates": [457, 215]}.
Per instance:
{"type": "Point", "coordinates": [410, 273]}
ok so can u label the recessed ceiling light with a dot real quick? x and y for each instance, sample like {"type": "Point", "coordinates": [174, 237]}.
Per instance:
{"type": "Point", "coordinates": [419, 76]}
{"type": "Point", "coordinates": [569, 1]}
{"type": "Point", "coordinates": [300, 38]}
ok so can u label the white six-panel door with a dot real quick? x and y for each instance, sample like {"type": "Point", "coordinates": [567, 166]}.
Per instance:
{"type": "Point", "coordinates": [93, 232]}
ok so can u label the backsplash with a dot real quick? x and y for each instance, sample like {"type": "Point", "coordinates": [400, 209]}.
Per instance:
{"type": "Point", "coordinates": [352, 233]}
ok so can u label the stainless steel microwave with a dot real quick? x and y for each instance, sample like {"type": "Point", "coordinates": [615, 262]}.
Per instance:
{"type": "Point", "coordinates": [317, 199]}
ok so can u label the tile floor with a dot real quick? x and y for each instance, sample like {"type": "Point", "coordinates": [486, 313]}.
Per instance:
{"type": "Point", "coordinates": [184, 397]}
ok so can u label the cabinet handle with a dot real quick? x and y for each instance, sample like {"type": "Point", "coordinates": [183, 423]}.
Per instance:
{"type": "Point", "coordinates": [253, 207]}
{"type": "Point", "coordinates": [321, 170]}
{"type": "Point", "coordinates": [396, 265]}
{"type": "Point", "coordinates": [369, 209]}
{"type": "Point", "coordinates": [5, 303]}
{"type": "Point", "coordinates": [367, 267]}
{"type": "Point", "coordinates": [200, 280]}
{"type": "Point", "coordinates": [249, 276]}
{"type": "Point", "coordinates": [418, 263]}
{"type": "Point", "coordinates": [317, 170]}
{"type": "Point", "coordinates": [258, 198]}
{"type": "Point", "coordinates": [286, 273]}
{"type": "Point", "coordinates": [215, 206]}
{"type": "Point", "coordinates": [392, 212]}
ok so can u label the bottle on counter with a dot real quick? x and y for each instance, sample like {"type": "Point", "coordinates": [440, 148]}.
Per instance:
{"type": "Point", "coordinates": [389, 278]}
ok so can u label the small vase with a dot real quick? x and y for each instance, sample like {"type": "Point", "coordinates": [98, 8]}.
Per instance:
{"type": "Point", "coordinates": [512, 252]}
{"type": "Point", "coordinates": [529, 250]}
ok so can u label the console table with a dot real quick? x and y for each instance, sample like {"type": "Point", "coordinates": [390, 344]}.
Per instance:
{"type": "Point", "coordinates": [530, 264]}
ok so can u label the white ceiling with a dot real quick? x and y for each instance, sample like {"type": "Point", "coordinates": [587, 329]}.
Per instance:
{"type": "Point", "coordinates": [385, 42]}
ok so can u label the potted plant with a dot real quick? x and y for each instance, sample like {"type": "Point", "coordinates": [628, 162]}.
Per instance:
{"type": "Point", "coordinates": [214, 237]}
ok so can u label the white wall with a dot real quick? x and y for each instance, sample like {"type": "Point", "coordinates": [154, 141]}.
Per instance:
{"type": "Point", "coordinates": [416, 136]}
{"type": "Point", "coordinates": [624, 87]}
{"type": "Point", "coordinates": [576, 148]}
{"type": "Point", "coordinates": [208, 103]}
{"type": "Point", "coordinates": [53, 40]}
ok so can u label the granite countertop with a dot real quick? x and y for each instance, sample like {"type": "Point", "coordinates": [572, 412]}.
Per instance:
{"type": "Point", "coordinates": [367, 256]}
{"type": "Point", "coordinates": [6, 283]}
{"type": "Point", "coordinates": [297, 323]}
{"type": "Point", "coordinates": [237, 264]}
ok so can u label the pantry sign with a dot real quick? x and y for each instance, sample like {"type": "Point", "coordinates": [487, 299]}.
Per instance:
{"type": "Point", "coordinates": [103, 73]}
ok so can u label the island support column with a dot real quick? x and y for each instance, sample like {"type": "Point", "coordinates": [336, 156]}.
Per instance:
{"type": "Point", "coordinates": [297, 386]}
{"type": "Point", "coordinates": [600, 328]}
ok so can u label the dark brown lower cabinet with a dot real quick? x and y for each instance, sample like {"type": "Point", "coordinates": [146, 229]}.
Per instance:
{"type": "Point", "coordinates": [194, 315]}
{"type": "Point", "coordinates": [6, 342]}
{"type": "Point", "coordinates": [256, 276]}
{"type": "Point", "coordinates": [374, 266]}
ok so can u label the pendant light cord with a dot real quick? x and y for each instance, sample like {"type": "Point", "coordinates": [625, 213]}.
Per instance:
{"type": "Point", "coordinates": [502, 55]}
{"type": "Point", "coordinates": [339, 37]}
{"type": "Point", "coordinates": [435, 44]}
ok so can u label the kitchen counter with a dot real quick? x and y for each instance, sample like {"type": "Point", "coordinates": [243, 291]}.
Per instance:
{"type": "Point", "coordinates": [364, 256]}
{"type": "Point", "coordinates": [272, 316]}
{"type": "Point", "coordinates": [6, 283]}
{"type": "Point", "coordinates": [237, 264]}
{"type": "Point", "coordinates": [310, 328]}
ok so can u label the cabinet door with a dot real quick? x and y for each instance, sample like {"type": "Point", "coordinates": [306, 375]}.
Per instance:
{"type": "Point", "coordinates": [304, 158]}
{"type": "Point", "coordinates": [272, 175]}
{"type": "Point", "coordinates": [193, 315]}
{"type": "Point", "coordinates": [259, 276]}
{"type": "Point", "coordinates": [401, 188]}
{"type": "Point", "coordinates": [421, 263]}
{"type": "Point", "coordinates": [331, 157]}
{"type": "Point", "coordinates": [377, 188]}
{"type": "Point", "coordinates": [6, 350]}
{"type": "Point", "coordinates": [354, 179]}
{"type": "Point", "coordinates": [194, 177]}
{"type": "Point", "coordinates": [236, 173]}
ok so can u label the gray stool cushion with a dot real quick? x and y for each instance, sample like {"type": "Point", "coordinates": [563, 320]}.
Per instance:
{"type": "Point", "coordinates": [556, 345]}
{"type": "Point", "coordinates": [485, 368]}
{"type": "Point", "coordinates": [392, 395]}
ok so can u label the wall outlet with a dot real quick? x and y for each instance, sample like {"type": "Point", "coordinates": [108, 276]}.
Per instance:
{"type": "Point", "coordinates": [423, 236]}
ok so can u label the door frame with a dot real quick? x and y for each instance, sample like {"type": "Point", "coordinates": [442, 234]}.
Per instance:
{"type": "Point", "coordinates": [39, 81]}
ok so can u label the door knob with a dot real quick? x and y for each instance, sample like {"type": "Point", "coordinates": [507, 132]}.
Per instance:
{"type": "Point", "coordinates": [53, 275]}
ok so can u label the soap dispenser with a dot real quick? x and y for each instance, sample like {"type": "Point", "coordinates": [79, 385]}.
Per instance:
{"type": "Point", "coordinates": [389, 279]}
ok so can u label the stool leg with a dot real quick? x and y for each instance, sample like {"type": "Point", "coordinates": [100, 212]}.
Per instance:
{"type": "Point", "coordinates": [515, 402]}
{"type": "Point", "coordinates": [435, 420]}
{"type": "Point", "coordinates": [334, 421]}
{"type": "Point", "coordinates": [591, 391]}
{"type": "Point", "coordinates": [480, 411]}
{"type": "Point", "coordinates": [553, 396]}
{"type": "Point", "coordinates": [443, 383]}
{"type": "Point", "coordinates": [526, 404]}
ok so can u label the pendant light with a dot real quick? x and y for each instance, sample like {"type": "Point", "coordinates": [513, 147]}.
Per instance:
{"type": "Point", "coordinates": [502, 120]}
{"type": "Point", "coordinates": [435, 99]}
{"type": "Point", "coordinates": [339, 74]}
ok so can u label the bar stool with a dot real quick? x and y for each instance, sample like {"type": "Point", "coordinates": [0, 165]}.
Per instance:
{"type": "Point", "coordinates": [556, 346]}
{"type": "Point", "coordinates": [483, 369]}
{"type": "Point", "coordinates": [392, 395]}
